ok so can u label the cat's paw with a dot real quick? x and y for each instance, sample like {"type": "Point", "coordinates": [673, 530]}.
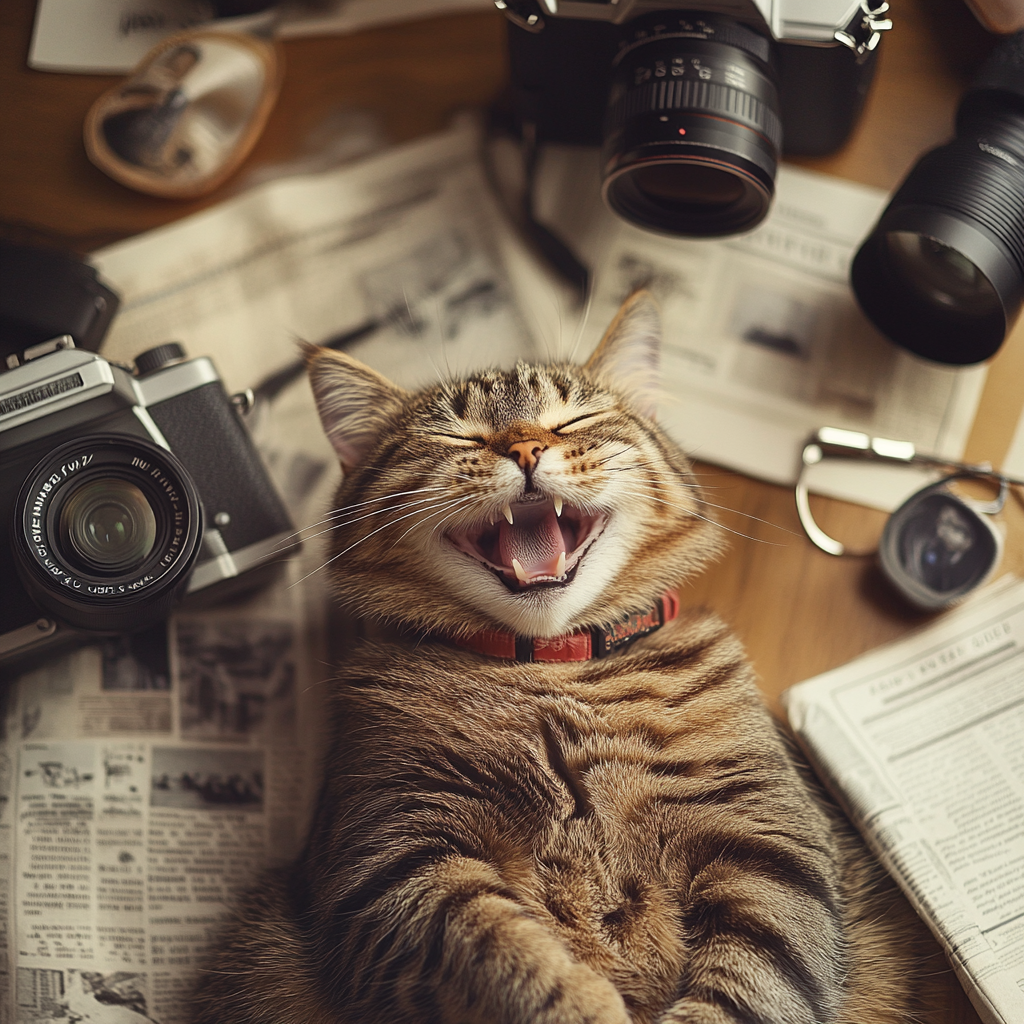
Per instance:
{"type": "Point", "coordinates": [689, 1011]}
{"type": "Point", "coordinates": [583, 997]}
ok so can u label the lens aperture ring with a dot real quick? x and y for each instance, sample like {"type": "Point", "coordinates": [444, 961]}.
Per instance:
{"type": "Point", "coordinates": [964, 178]}
{"type": "Point", "coordinates": [700, 97]}
{"type": "Point", "coordinates": [707, 28]}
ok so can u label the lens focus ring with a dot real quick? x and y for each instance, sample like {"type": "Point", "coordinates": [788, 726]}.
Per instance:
{"type": "Point", "coordinates": [692, 132]}
{"type": "Point", "coordinates": [698, 97]}
{"type": "Point", "coordinates": [967, 180]}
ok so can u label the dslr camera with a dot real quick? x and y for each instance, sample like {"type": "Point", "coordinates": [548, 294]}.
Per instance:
{"type": "Point", "coordinates": [122, 490]}
{"type": "Point", "coordinates": [693, 103]}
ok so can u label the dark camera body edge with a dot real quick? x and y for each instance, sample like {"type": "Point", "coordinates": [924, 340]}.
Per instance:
{"type": "Point", "coordinates": [560, 80]}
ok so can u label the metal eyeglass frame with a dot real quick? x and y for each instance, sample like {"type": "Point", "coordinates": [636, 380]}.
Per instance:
{"type": "Point", "coordinates": [832, 442]}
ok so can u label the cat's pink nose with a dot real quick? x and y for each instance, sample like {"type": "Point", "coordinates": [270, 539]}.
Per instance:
{"type": "Point", "coordinates": [526, 453]}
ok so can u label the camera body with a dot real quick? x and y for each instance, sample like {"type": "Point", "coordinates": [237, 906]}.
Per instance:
{"type": "Point", "coordinates": [701, 87]}
{"type": "Point", "coordinates": [123, 492]}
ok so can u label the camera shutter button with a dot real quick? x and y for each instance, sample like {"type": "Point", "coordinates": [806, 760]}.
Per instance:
{"type": "Point", "coordinates": [156, 358]}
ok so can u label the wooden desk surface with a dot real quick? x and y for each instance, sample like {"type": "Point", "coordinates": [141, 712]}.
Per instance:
{"type": "Point", "coordinates": [798, 610]}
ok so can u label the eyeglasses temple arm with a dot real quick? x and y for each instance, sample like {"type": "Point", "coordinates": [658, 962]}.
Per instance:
{"type": "Point", "coordinates": [837, 442]}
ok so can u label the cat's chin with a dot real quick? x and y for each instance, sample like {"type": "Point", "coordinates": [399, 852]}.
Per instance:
{"type": "Point", "coordinates": [535, 543]}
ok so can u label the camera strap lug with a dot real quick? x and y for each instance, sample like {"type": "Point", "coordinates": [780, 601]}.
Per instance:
{"type": "Point", "coordinates": [25, 636]}
{"type": "Point", "coordinates": [243, 401]}
{"type": "Point", "coordinates": [865, 30]}
{"type": "Point", "coordinates": [523, 13]}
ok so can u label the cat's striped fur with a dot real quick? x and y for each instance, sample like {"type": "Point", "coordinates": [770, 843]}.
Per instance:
{"type": "Point", "coordinates": [629, 839]}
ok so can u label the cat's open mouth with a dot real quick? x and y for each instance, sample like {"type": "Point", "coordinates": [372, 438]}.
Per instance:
{"type": "Point", "coordinates": [534, 543]}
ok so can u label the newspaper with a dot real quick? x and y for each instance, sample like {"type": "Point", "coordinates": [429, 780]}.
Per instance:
{"type": "Point", "coordinates": [923, 742]}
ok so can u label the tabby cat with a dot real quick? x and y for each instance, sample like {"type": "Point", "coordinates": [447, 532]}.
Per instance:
{"type": "Point", "coordinates": [507, 834]}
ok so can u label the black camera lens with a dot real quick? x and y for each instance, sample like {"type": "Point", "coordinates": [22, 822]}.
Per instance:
{"type": "Point", "coordinates": [693, 132]}
{"type": "Point", "coordinates": [109, 524]}
{"type": "Point", "coordinates": [108, 529]}
{"type": "Point", "coordinates": [942, 274]}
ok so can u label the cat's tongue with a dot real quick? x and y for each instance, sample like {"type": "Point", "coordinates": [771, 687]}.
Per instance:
{"type": "Point", "coordinates": [535, 541]}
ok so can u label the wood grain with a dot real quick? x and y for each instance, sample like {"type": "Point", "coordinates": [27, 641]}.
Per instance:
{"type": "Point", "coordinates": [798, 610]}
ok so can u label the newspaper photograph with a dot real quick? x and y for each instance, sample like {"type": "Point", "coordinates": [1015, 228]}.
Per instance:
{"type": "Point", "coordinates": [125, 833]}
{"type": "Point", "coordinates": [923, 743]}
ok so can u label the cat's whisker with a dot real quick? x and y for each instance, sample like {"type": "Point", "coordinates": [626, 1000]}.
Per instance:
{"type": "Point", "coordinates": [727, 508]}
{"type": "Point", "coordinates": [459, 502]}
{"type": "Point", "coordinates": [384, 497]}
{"type": "Point", "coordinates": [356, 544]}
{"type": "Point", "coordinates": [441, 522]}
{"type": "Point", "coordinates": [653, 473]}
{"type": "Point", "coordinates": [628, 448]}
{"type": "Point", "coordinates": [696, 515]}
{"type": "Point", "coordinates": [341, 512]}
{"type": "Point", "coordinates": [581, 326]}
{"type": "Point", "coordinates": [369, 515]}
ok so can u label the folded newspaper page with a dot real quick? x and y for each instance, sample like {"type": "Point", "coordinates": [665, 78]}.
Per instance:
{"type": "Point", "coordinates": [923, 742]}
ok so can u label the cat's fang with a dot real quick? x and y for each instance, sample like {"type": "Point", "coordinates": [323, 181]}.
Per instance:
{"type": "Point", "coordinates": [520, 572]}
{"type": "Point", "coordinates": [560, 568]}
{"type": "Point", "coordinates": [507, 510]}
{"type": "Point", "coordinates": [558, 508]}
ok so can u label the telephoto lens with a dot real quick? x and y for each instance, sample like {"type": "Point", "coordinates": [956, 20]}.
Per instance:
{"type": "Point", "coordinates": [693, 133]}
{"type": "Point", "coordinates": [942, 273]}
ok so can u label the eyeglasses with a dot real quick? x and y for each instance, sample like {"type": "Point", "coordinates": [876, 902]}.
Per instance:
{"type": "Point", "coordinates": [937, 546]}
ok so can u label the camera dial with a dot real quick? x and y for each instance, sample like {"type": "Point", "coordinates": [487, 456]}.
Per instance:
{"type": "Point", "coordinates": [108, 529]}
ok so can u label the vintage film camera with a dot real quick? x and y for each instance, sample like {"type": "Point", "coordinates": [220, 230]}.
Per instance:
{"type": "Point", "coordinates": [692, 103]}
{"type": "Point", "coordinates": [123, 491]}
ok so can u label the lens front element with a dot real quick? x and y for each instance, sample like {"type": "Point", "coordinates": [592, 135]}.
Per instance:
{"type": "Point", "coordinates": [109, 524]}
{"type": "Point", "coordinates": [108, 529]}
{"type": "Point", "coordinates": [940, 274]}
{"type": "Point", "coordinates": [693, 133]}
{"type": "Point", "coordinates": [935, 548]}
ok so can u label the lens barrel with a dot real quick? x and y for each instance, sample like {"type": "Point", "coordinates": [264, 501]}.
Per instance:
{"type": "Point", "coordinates": [942, 273]}
{"type": "Point", "coordinates": [693, 133]}
{"type": "Point", "coordinates": [108, 529]}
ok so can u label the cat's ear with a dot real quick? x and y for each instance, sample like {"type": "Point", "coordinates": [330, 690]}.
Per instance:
{"type": "Point", "coordinates": [354, 401]}
{"type": "Point", "coordinates": [627, 358]}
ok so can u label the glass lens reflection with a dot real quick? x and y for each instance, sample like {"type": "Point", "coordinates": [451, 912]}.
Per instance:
{"type": "Point", "coordinates": [940, 274]}
{"type": "Point", "coordinates": [110, 524]}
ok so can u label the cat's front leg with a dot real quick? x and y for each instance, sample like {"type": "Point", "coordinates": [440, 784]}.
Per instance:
{"type": "Point", "coordinates": [766, 941]}
{"type": "Point", "coordinates": [468, 952]}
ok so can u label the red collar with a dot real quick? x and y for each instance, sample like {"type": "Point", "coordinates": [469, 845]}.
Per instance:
{"type": "Point", "coordinates": [597, 642]}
